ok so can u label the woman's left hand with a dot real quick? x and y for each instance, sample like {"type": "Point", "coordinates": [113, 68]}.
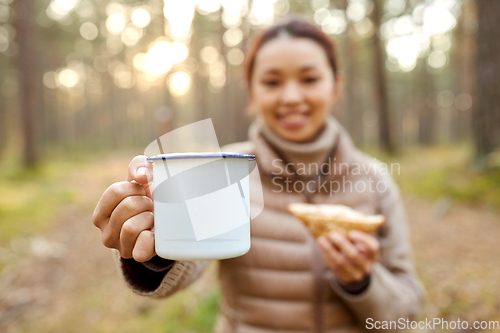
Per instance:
{"type": "Point", "coordinates": [351, 258]}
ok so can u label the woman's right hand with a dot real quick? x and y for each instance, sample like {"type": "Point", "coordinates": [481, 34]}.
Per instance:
{"type": "Point", "coordinates": [125, 213]}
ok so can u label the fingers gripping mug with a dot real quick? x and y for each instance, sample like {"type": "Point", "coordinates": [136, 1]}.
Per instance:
{"type": "Point", "coordinates": [201, 205]}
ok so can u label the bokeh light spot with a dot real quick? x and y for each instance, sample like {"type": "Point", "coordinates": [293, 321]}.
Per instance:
{"type": "Point", "coordinates": [68, 78]}
{"type": "Point", "coordinates": [140, 17]}
{"type": "Point", "coordinates": [179, 82]}
{"type": "Point", "coordinates": [436, 59]}
{"type": "Point", "coordinates": [235, 57]}
{"type": "Point", "coordinates": [89, 31]}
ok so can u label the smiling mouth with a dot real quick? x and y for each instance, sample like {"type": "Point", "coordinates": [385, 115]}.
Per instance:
{"type": "Point", "coordinates": [293, 120]}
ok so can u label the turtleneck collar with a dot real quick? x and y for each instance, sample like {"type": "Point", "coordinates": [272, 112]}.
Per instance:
{"type": "Point", "coordinates": [300, 155]}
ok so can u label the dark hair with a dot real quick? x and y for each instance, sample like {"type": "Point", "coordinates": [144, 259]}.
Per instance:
{"type": "Point", "coordinates": [296, 28]}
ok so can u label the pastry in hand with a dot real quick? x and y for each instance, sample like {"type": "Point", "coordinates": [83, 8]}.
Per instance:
{"type": "Point", "coordinates": [322, 219]}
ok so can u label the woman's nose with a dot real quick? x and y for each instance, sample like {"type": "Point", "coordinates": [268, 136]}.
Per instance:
{"type": "Point", "coordinates": [292, 93]}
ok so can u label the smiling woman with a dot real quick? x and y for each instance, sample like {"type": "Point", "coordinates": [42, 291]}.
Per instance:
{"type": "Point", "coordinates": [293, 87]}
{"type": "Point", "coordinates": [289, 280]}
{"type": "Point", "coordinates": [292, 80]}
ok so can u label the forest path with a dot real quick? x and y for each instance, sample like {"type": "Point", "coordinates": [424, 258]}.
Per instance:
{"type": "Point", "coordinates": [66, 281]}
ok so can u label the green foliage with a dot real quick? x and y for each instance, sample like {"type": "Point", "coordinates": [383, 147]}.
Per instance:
{"type": "Point", "coordinates": [204, 316]}
{"type": "Point", "coordinates": [30, 199]}
{"type": "Point", "coordinates": [447, 172]}
{"type": "Point", "coordinates": [184, 312]}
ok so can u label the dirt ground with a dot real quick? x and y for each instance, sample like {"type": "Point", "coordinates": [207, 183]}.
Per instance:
{"type": "Point", "coordinates": [65, 280]}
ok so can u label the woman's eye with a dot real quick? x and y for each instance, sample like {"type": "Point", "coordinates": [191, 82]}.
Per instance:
{"type": "Point", "coordinates": [310, 80]}
{"type": "Point", "coordinates": [271, 83]}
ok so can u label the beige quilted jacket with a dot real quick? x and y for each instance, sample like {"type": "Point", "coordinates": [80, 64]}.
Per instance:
{"type": "Point", "coordinates": [282, 283]}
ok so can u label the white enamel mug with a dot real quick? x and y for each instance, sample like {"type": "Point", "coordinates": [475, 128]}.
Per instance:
{"type": "Point", "coordinates": [201, 205]}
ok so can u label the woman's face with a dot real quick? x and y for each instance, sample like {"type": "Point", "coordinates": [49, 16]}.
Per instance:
{"type": "Point", "coordinates": [293, 87]}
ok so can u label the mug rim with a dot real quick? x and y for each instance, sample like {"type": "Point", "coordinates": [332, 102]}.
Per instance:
{"type": "Point", "coordinates": [172, 156]}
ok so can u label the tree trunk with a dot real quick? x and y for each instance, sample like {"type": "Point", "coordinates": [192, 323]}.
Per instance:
{"type": "Point", "coordinates": [382, 100]}
{"type": "Point", "coordinates": [3, 112]}
{"type": "Point", "coordinates": [28, 77]}
{"type": "Point", "coordinates": [467, 45]}
{"type": "Point", "coordinates": [352, 85]}
{"type": "Point", "coordinates": [225, 108]}
{"type": "Point", "coordinates": [486, 118]}
{"type": "Point", "coordinates": [427, 112]}
{"type": "Point", "coordinates": [351, 110]}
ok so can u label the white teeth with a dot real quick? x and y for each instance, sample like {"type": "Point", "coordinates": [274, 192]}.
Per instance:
{"type": "Point", "coordinates": [293, 117]}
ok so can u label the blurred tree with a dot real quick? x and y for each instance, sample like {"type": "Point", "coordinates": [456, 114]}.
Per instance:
{"type": "Point", "coordinates": [3, 113]}
{"type": "Point", "coordinates": [486, 119]}
{"type": "Point", "coordinates": [99, 94]}
{"type": "Point", "coordinates": [28, 77]}
{"type": "Point", "coordinates": [382, 100]}
{"type": "Point", "coordinates": [427, 113]}
{"type": "Point", "coordinates": [464, 65]}
{"type": "Point", "coordinates": [352, 82]}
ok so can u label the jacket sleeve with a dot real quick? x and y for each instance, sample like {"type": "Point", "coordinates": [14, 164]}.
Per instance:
{"type": "Point", "coordinates": [394, 290]}
{"type": "Point", "coordinates": [147, 280]}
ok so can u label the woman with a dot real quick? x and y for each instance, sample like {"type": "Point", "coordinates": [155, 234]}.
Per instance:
{"type": "Point", "coordinates": [287, 281]}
